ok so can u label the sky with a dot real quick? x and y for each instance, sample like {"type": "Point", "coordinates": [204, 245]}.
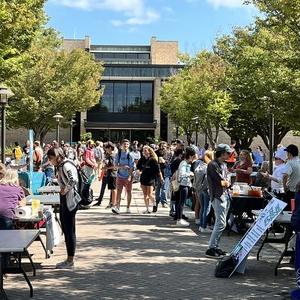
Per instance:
{"type": "Point", "coordinates": [193, 23]}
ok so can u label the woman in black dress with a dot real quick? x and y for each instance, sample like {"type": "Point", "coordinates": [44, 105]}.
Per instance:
{"type": "Point", "coordinates": [149, 167]}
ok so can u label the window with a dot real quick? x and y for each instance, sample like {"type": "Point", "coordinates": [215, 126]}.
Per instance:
{"type": "Point", "coordinates": [107, 103]}
{"type": "Point", "coordinates": [119, 97]}
{"type": "Point", "coordinates": [134, 97]}
{"type": "Point", "coordinates": [146, 96]}
{"type": "Point", "coordinates": [126, 96]}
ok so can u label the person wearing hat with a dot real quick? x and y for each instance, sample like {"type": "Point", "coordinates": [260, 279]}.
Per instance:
{"type": "Point", "coordinates": [277, 177]}
{"type": "Point", "coordinates": [291, 175]}
{"type": "Point", "coordinates": [218, 184]}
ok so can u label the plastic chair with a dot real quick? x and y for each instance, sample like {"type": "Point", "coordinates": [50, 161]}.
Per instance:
{"type": "Point", "coordinates": [38, 180]}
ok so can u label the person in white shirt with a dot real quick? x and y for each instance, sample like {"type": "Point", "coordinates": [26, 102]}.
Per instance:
{"type": "Point", "coordinates": [278, 174]}
{"type": "Point", "coordinates": [292, 174]}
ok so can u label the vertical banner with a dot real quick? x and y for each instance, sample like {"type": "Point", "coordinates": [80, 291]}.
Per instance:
{"type": "Point", "coordinates": [255, 232]}
{"type": "Point", "coordinates": [30, 157]}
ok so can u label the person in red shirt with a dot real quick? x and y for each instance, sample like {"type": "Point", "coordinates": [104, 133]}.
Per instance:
{"type": "Point", "coordinates": [243, 168]}
{"type": "Point", "coordinates": [232, 156]}
{"type": "Point", "coordinates": [89, 161]}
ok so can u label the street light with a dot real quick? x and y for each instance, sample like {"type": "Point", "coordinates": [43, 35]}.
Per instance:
{"type": "Point", "coordinates": [57, 118]}
{"type": "Point", "coordinates": [5, 94]}
{"type": "Point", "coordinates": [72, 124]}
{"type": "Point", "coordinates": [177, 131]}
{"type": "Point", "coordinates": [196, 119]}
{"type": "Point", "coordinates": [272, 131]}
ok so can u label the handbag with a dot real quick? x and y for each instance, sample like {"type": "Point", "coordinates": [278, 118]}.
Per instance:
{"type": "Point", "coordinates": [175, 182]}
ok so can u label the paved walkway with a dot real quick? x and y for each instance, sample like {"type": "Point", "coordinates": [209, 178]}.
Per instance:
{"type": "Point", "coordinates": [137, 256]}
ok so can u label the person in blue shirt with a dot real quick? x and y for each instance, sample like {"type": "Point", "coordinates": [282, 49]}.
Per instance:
{"type": "Point", "coordinates": [125, 165]}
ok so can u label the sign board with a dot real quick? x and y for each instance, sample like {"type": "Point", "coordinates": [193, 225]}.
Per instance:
{"type": "Point", "coordinates": [256, 231]}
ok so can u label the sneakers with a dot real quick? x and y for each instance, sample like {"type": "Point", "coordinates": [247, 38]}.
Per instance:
{"type": "Point", "coordinates": [128, 211]}
{"type": "Point", "coordinates": [215, 253]}
{"type": "Point", "coordinates": [197, 221]}
{"type": "Point", "coordinates": [98, 203]}
{"type": "Point", "coordinates": [182, 223]}
{"type": "Point", "coordinates": [66, 265]}
{"type": "Point", "coordinates": [147, 211]}
{"type": "Point", "coordinates": [115, 210]}
{"type": "Point", "coordinates": [221, 252]}
{"type": "Point", "coordinates": [212, 253]}
{"type": "Point", "coordinates": [164, 205]}
{"type": "Point", "coordinates": [154, 209]}
{"type": "Point", "coordinates": [205, 230]}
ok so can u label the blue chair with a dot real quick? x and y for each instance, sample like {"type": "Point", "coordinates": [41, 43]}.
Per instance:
{"type": "Point", "coordinates": [38, 180]}
{"type": "Point", "coordinates": [24, 179]}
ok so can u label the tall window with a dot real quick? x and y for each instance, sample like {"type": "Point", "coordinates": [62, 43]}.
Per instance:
{"type": "Point", "coordinates": [126, 97]}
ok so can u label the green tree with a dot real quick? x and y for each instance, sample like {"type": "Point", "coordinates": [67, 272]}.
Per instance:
{"type": "Point", "coordinates": [199, 90]}
{"type": "Point", "coordinates": [264, 80]}
{"type": "Point", "coordinates": [53, 81]}
{"type": "Point", "coordinates": [19, 19]}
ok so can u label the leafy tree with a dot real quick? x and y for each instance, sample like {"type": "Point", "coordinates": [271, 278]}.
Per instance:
{"type": "Point", "coordinates": [199, 90]}
{"type": "Point", "coordinates": [53, 81]}
{"type": "Point", "coordinates": [19, 19]}
{"type": "Point", "coordinates": [264, 80]}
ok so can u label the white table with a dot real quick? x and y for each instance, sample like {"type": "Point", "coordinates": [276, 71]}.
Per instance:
{"type": "Point", "coordinates": [17, 242]}
{"type": "Point", "coordinates": [49, 189]}
{"type": "Point", "coordinates": [52, 199]}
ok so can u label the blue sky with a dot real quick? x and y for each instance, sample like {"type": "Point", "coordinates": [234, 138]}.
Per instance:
{"type": "Point", "coordinates": [194, 23]}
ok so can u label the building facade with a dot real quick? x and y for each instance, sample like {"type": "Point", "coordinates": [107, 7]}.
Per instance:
{"type": "Point", "coordinates": [132, 80]}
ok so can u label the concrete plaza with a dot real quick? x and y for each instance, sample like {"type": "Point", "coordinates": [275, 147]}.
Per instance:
{"type": "Point", "coordinates": [135, 256]}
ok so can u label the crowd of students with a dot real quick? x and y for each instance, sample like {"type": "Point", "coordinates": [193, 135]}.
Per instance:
{"type": "Point", "coordinates": [167, 173]}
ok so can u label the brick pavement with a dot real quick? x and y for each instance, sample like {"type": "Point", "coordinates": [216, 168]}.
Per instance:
{"type": "Point", "coordinates": [139, 256]}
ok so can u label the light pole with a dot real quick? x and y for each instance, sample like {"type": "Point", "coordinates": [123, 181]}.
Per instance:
{"type": "Point", "coordinates": [272, 131]}
{"type": "Point", "coordinates": [5, 94]}
{"type": "Point", "coordinates": [72, 124]}
{"type": "Point", "coordinates": [196, 119]}
{"type": "Point", "coordinates": [57, 118]}
{"type": "Point", "coordinates": [177, 131]}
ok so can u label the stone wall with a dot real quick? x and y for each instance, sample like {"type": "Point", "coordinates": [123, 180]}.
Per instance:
{"type": "Point", "coordinates": [164, 52]}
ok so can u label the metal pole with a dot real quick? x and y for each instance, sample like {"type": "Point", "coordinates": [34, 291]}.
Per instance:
{"type": "Point", "coordinates": [197, 135]}
{"type": "Point", "coordinates": [71, 134]}
{"type": "Point", "coordinates": [177, 132]}
{"type": "Point", "coordinates": [57, 132]}
{"type": "Point", "coordinates": [271, 142]}
{"type": "Point", "coordinates": [3, 134]}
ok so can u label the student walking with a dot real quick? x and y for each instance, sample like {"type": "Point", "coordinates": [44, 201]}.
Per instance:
{"type": "Point", "coordinates": [148, 166]}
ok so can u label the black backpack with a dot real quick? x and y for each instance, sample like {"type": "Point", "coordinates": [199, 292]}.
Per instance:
{"type": "Point", "coordinates": [84, 187]}
{"type": "Point", "coordinates": [225, 266]}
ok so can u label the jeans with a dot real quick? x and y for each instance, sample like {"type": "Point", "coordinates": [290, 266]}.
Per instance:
{"type": "Point", "coordinates": [183, 195]}
{"type": "Point", "coordinates": [5, 224]}
{"type": "Point", "coordinates": [205, 208]}
{"type": "Point", "coordinates": [221, 208]}
{"type": "Point", "coordinates": [160, 192]}
{"type": "Point", "coordinates": [67, 219]}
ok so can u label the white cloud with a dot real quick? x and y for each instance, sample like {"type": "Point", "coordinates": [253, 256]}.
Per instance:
{"type": "Point", "coordinates": [225, 3]}
{"type": "Point", "coordinates": [135, 12]}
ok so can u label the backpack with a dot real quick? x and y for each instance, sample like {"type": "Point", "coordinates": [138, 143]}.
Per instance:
{"type": "Point", "coordinates": [98, 154]}
{"type": "Point", "coordinates": [119, 157]}
{"type": "Point", "coordinates": [226, 266]}
{"type": "Point", "coordinates": [84, 187]}
{"type": "Point", "coordinates": [200, 177]}
{"type": "Point", "coordinates": [18, 153]}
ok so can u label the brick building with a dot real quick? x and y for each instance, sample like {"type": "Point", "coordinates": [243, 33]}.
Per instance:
{"type": "Point", "coordinates": [132, 79]}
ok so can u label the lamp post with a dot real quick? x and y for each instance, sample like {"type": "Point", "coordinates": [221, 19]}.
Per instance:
{"type": "Point", "coordinates": [5, 94]}
{"type": "Point", "coordinates": [272, 131]}
{"type": "Point", "coordinates": [72, 124]}
{"type": "Point", "coordinates": [177, 131]}
{"type": "Point", "coordinates": [57, 118]}
{"type": "Point", "coordinates": [196, 119]}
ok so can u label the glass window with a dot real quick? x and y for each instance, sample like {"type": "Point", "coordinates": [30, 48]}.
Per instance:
{"type": "Point", "coordinates": [144, 56]}
{"type": "Point", "coordinates": [146, 97]}
{"type": "Point", "coordinates": [120, 55]}
{"type": "Point", "coordinates": [107, 101]}
{"type": "Point", "coordinates": [131, 55]}
{"type": "Point", "coordinates": [134, 97]}
{"type": "Point", "coordinates": [119, 97]}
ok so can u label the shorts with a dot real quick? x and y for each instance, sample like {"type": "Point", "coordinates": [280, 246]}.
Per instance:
{"type": "Point", "coordinates": [111, 183]}
{"type": "Point", "coordinates": [124, 182]}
